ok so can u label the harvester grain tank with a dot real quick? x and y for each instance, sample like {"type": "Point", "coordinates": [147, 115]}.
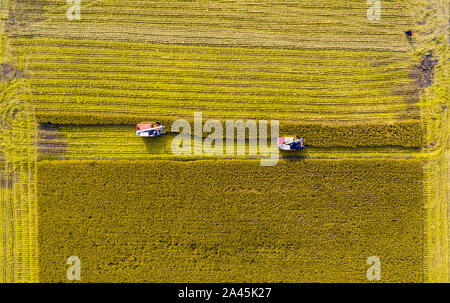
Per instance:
{"type": "Point", "coordinates": [291, 143]}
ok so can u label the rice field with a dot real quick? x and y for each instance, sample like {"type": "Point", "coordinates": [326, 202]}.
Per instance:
{"type": "Point", "coordinates": [121, 142]}
{"type": "Point", "coordinates": [251, 23]}
{"type": "Point", "coordinates": [18, 227]}
{"type": "Point", "coordinates": [322, 61]}
{"type": "Point", "coordinates": [371, 104]}
{"type": "Point", "coordinates": [119, 78]}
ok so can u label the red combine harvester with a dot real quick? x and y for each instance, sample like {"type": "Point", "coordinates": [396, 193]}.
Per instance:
{"type": "Point", "coordinates": [149, 129]}
{"type": "Point", "coordinates": [291, 143]}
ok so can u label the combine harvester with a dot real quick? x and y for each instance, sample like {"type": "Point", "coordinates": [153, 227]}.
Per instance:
{"type": "Point", "coordinates": [149, 129]}
{"type": "Point", "coordinates": [290, 143]}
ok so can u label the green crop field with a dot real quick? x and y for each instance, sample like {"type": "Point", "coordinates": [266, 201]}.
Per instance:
{"type": "Point", "coordinates": [370, 102]}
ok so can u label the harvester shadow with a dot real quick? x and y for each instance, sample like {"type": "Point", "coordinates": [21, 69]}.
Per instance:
{"type": "Point", "coordinates": [294, 155]}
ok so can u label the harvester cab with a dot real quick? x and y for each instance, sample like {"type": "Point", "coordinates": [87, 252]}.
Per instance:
{"type": "Point", "coordinates": [291, 143]}
{"type": "Point", "coordinates": [149, 129]}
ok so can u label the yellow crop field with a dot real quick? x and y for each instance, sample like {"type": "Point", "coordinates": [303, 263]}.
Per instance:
{"type": "Point", "coordinates": [120, 140]}
{"type": "Point", "coordinates": [18, 228]}
{"type": "Point", "coordinates": [316, 220]}
{"type": "Point", "coordinates": [281, 64]}
{"type": "Point", "coordinates": [118, 78]}
{"type": "Point", "coordinates": [369, 99]}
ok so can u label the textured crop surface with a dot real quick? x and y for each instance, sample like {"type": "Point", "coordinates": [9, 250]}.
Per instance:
{"type": "Point", "coordinates": [371, 103]}
{"type": "Point", "coordinates": [212, 221]}
{"type": "Point", "coordinates": [123, 78]}
{"type": "Point", "coordinates": [307, 61]}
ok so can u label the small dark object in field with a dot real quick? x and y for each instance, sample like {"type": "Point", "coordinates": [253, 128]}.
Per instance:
{"type": "Point", "coordinates": [408, 33]}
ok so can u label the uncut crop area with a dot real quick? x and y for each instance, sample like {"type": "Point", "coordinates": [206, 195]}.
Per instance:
{"type": "Point", "coordinates": [371, 103]}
